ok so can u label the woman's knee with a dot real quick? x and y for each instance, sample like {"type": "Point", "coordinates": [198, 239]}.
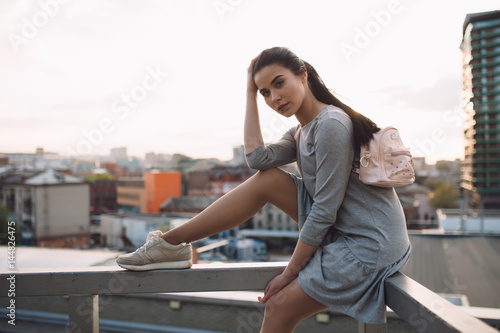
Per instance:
{"type": "Point", "coordinates": [274, 178]}
{"type": "Point", "coordinates": [289, 307]}
{"type": "Point", "coordinates": [277, 187]}
{"type": "Point", "coordinates": [269, 173]}
{"type": "Point", "coordinates": [275, 306]}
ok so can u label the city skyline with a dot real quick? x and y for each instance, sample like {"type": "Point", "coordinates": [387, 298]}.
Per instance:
{"type": "Point", "coordinates": [169, 77]}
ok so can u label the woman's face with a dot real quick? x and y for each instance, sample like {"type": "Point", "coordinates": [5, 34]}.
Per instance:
{"type": "Point", "coordinates": [282, 90]}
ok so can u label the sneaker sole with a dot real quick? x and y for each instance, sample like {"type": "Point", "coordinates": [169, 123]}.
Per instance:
{"type": "Point", "coordinates": [160, 265]}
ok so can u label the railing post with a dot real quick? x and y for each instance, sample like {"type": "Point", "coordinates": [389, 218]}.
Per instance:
{"type": "Point", "coordinates": [371, 328]}
{"type": "Point", "coordinates": [83, 314]}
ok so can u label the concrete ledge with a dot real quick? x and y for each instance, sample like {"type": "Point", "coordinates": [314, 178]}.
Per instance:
{"type": "Point", "coordinates": [115, 280]}
{"type": "Point", "coordinates": [427, 311]}
{"type": "Point", "coordinates": [417, 305]}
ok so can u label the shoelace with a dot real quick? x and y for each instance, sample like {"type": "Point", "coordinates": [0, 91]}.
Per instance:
{"type": "Point", "coordinates": [152, 236]}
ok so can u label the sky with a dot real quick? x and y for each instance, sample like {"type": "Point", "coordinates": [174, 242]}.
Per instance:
{"type": "Point", "coordinates": [81, 77]}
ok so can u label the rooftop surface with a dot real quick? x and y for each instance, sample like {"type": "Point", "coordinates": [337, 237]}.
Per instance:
{"type": "Point", "coordinates": [451, 264]}
{"type": "Point", "coordinates": [39, 257]}
{"type": "Point", "coordinates": [51, 177]}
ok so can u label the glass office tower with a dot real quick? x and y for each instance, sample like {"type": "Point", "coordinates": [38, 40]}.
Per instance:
{"type": "Point", "coordinates": [481, 102]}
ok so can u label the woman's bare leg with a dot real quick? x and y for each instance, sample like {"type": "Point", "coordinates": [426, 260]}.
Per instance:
{"type": "Point", "coordinates": [239, 205]}
{"type": "Point", "coordinates": [287, 308]}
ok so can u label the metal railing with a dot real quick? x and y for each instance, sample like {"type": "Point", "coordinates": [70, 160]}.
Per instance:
{"type": "Point", "coordinates": [412, 302]}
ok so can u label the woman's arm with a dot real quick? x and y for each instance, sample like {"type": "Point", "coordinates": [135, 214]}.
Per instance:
{"type": "Point", "coordinates": [334, 156]}
{"type": "Point", "coordinates": [301, 256]}
{"type": "Point", "coordinates": [258, 155]}
{"type": "Point", "coordinates": [251, 131]}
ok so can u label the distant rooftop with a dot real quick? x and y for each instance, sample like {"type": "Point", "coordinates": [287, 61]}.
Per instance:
{"type": "Point", "coordinates": [189, 203]}
{"type": "Point", "coordinates": [5, 169]}
{"type": "Point", "coordinates": [269, 233]}
{"type": "Point", "coordinates": [466, 265]}
{"type": "Point", "coordinates": [51, 177]}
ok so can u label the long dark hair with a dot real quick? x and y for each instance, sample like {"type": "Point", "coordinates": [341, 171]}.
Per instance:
{"type": "Point", "coordinates": [363, 127]}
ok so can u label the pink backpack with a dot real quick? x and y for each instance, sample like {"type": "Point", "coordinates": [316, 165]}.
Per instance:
{"type": "Point", "coordinates": [385, 161]}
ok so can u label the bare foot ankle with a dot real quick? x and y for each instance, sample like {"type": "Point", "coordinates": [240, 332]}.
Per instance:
{"type": "Point", "coordinates": [166, 237]}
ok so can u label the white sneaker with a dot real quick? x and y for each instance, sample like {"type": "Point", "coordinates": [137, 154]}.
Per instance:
{"type": "Point", "coordinates": [156, 253]}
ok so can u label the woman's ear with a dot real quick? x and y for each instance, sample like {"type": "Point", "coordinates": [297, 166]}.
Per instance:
{"type": "Point", "coordinates": [303, 74]}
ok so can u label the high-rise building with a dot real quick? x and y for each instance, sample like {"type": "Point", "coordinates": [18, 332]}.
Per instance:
{"type": "Point", "coordinates": [481, 102]}
{"type": "Point", "coordinates": [118, 154]}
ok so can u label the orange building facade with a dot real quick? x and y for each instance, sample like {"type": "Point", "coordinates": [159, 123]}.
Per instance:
{"type": "Point", "coordinates": [161, 186]}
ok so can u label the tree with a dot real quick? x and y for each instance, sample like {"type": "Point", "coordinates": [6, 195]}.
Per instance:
{"type": "Point", "coordinates": [445, 196]}
{"type": "Point", "coordinates": [98, 177]}
{"type": "Point", "coordinates": [433, 183]}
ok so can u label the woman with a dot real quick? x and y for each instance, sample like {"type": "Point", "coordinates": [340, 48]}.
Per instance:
{"type": "Point", "coordinates": [352, 236]}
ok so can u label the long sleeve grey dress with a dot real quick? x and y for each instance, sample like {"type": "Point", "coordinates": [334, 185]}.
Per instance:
{"type": "Point", "coordinates": [360, 230]}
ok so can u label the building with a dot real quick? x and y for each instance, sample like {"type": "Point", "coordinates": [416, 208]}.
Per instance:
{"type": "Point", "coordinates": [238, 156]}
{"type": "Point", "coordinates": [481, 102]}
{"type": "Point", "coordinates": [39, 160]}
{"type": "Point", "coordinates": [28, 159]}
{"type": "Point", "coordinates": [419, 213]}
{"type": "Point", "coordinates": [131, 195]}
{"type": "Point", "coordinates": [272, 218]}
{"type": "Point", "coordinates": [217, 180]}
{"type": "Point", "coordinates": [157, 161]}
{"type": "Point", "coordinates": [50, 208]}
{"type": "Point", "coordinates": [198, 182]}
{"type": "Point", "coordinates": [188, 205]}
{"type": "Point", "coordinates": [470, 221]}
{"type": "Point", "coordinates": [146, 194]}
{"type": "Point", "coordinates": [127, 231]}
{"type": "Point", "coordinates": [247, 250]}
{"type": "Point", "coordinates": [160, 186]}
{"type": "Point", "coordinates": [225, 178]}
{"type": "Point", "coordinates": [118, 154]}
{"type": "Point", "coordinates": [103, 197]}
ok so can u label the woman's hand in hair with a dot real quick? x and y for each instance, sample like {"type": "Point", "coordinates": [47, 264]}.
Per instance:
{"type": "Point", "coordinates": [252, 134]}
{"type": "Point", "coordinates": [251, 86]}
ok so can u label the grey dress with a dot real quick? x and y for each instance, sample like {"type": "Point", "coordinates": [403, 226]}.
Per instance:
{"type": "Point", "coordinates": [360, 230]}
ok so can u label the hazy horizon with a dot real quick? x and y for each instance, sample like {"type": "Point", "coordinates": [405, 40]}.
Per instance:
{"type": "Point", "coordinates": [169, 76]}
